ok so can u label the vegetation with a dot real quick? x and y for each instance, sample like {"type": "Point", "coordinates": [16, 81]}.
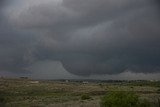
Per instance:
{"type": "Point", "coordinates": [29, 93]}
{"type": "Point", "coordinates": [158, 90]}
{"type": "Point", "coordinates": [85, 97]}
{"type": "Point", "coordinates": [122, 99]}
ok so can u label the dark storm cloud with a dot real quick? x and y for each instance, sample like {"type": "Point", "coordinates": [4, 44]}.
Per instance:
{"type": "Point", "coordinates": [1, 3]}
{"type": "Point", "coordinates": [87, 36]}
{"type": "Point", "coordinates": [15, 48]}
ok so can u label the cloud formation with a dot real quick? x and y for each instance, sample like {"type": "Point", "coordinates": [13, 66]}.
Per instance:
{"type": "Point", "coordinates": [88, 37]}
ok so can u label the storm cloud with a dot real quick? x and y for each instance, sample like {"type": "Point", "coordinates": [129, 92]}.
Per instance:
{"type": "Point", "coordinates": [88, 37]}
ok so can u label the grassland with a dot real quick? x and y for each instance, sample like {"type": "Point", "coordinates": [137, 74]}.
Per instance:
{"type": "Point", "coordinates": [43, 93]}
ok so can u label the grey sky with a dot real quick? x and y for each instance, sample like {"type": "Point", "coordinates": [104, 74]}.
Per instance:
{"type": "Point", "coordinates": [86, 37]}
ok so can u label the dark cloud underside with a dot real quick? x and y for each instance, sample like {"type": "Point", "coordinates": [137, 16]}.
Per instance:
{"type": "Point", "coordinates": [87, 36]}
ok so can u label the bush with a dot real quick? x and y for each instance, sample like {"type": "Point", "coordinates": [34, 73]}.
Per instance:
{"type": "Point", "coordinates": [144, 103]}
{"type": "Point", "coordinates": [85, 97]}
{"type": "Point", "coordinates": [3, 101]}
{"type": "Point", "coordinates": [158, 90]}
{"type": "Point", "coordinates": [120, 99]}
{"type": "Point", "coordinates": [123, 99]}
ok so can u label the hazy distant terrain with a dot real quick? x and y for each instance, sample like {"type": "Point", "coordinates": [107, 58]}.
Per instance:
{"type": "Point", "coordinates": [43, 93]}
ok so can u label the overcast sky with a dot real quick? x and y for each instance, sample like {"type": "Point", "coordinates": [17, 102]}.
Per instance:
{"type": "Point", "coordinates": [97, 39]}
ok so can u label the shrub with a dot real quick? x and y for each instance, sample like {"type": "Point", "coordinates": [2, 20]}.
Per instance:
{"type": "Point", "coordinates": [85, 97]}
{"type": "Point", "coordinates": [158, 90]}
{"type": "Point", "coordinates": [3, 101]}
{"type": "Point", "coordinates": [119, 99]}
{"type": "Point", "coordinates": [144, 103]}
{"type": "Point", "coordinates": [159, 102]}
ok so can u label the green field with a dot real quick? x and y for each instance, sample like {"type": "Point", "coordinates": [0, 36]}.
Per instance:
{"type": "Point", "coordinates": [45, 93]}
